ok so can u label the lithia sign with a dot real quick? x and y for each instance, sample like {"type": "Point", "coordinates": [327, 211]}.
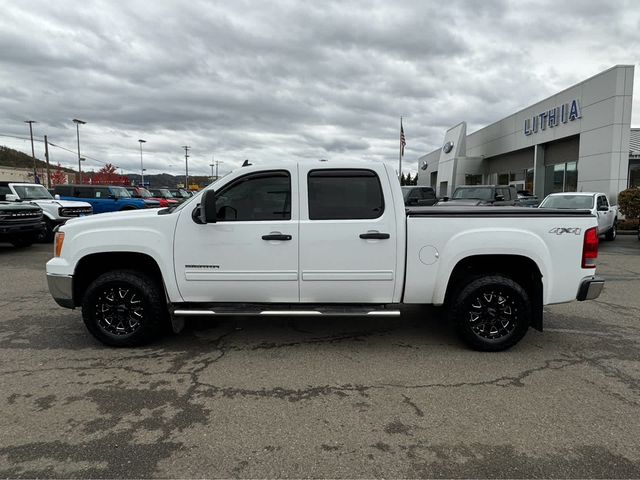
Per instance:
{"type": "Point", "coordinates": [566, 112]}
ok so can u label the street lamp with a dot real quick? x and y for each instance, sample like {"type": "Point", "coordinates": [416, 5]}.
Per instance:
{"type": "Point", "coordinates": [141, 167]}
{"type": "Point", "coordinates": [78, 123]}
{"type": "Point", "coordinates": [33, 153]}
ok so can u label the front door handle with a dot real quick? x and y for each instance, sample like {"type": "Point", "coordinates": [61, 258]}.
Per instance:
{"type": "Point", "coordinates": [276, 236]}
{"type": "Point", "coordinates": [374, 236]}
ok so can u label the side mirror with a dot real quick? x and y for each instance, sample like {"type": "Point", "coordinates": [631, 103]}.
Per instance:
{"type": "Point", "coordinates": [601, 208]}
{"type": "Point", "coordinates": [10, 197]}
{"type": "Point", "coordinates": [412, 201]}
{"type": "Point", "coordinates": [445, 199]}
{"type": "Point", "coordinates": [499, 198]}
{"type": "Point", "coordinates": [112, 196]}
{"type": "Point", "coordinates": [56, 196]}
{"type": "Point", "coordinates": [208, 211]}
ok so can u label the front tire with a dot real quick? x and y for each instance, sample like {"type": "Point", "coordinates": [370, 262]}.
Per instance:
{"type": "Point", "coordinates": [612, 233]}
{"type": "Point", "coordinates": [491, 313]}
{"type": "Point", "coordinates": [124, 308]}
{"type": "Point", "coordinates": [23, 242]}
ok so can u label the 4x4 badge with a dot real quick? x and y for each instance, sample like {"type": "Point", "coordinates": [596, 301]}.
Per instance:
{"type": "Point", "coordinates": [561, 230]}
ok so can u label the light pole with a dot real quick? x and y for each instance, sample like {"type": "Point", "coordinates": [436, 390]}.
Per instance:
{"type": "Point", "coordinates": [141, 168]}
{"type": "Point", "coordinates": [78, 123]}
{"type": "Point", "coordinates": [217, 162]}
{"type": "Point", "coordinates": [186, 166]}
{"type": "Point", "coordinates": [33, 152]}
{"type": "Point", "coordinates": [211, 165]}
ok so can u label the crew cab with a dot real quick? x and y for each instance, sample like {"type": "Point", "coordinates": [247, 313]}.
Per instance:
{"type": "Point", "coordinates": [475, 195]}
{"type": "Point", "coordinates": [55, 211]}
{"type": "Point", "coordinates": [597, 203]}
{"type": "Point", "coordinates": [104, 198]}
{"type": "Point", "coordinates": [141, 192]}
{"type": "Point", "coordinates": [319, 239]}
{"type": "Point", "coordinates": [20, 223]}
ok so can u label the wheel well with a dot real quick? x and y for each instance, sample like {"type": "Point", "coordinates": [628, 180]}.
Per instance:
{"type": "Point", "coordinates": [92, 266]}
{"type": "Point", "coordinates": [521, 269]}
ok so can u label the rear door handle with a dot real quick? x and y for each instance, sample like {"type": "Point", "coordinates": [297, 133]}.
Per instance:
{"type": "Point", "coordinates": [276, 236]}
{"type": "Point", "coordinates": [374, 236]}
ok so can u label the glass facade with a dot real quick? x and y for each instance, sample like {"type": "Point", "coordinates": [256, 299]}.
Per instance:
{"type": "Point", "coordinates": [562, 177]}
{"type": "Point", "coordinates": [473, 179]}
{"type": "Point", "coordinates": [634, 172]}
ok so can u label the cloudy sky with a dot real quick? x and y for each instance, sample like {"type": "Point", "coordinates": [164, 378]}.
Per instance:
{"type": "Point", "coordinates": [288, 79]}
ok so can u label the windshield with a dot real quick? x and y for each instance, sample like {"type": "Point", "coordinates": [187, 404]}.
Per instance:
{"type": "Point", "coordinates": [120, 192]}
{"type": "Point", "coordinates": [479, 193]}
{"type": "Point", "coordinates": [32, 192]}
{"type": "Point", "coordinates": [406, 191]}
{"type": "Point", "coordinates": [164, 193]}
{"type": "Point", "coordinates": [144, 193]}
{"type": "Point", "coordinates": [568, 201]}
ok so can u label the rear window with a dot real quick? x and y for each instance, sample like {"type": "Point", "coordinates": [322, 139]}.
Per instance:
{"type": "Point", "coordinates": [480, 193]}
{"type": "Point", "coordinates": [344, 194]}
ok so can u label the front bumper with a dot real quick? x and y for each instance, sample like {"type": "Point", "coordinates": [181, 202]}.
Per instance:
{"type": "Point", "coordinates": [590, 288]}
{"type": "Point", "coordinates": [61, 289]}
{"type": "Point", "coordinates": [17, 229]}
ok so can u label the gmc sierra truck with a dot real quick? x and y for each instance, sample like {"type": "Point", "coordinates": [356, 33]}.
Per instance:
{"type": "Point", "coordinates": [314, 239]}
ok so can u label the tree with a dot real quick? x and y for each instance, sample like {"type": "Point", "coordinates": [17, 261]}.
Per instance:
{"type": "Point", "coordinates": [415, 179]}
{"type": "Point", "coordinates": [58, 177]}
{"type": "Point", "coordinates": [629, 203]}
{"type": "Point", "coordinates": [107, 175]}
{"type": "Point", "coordinates": [408, 180]}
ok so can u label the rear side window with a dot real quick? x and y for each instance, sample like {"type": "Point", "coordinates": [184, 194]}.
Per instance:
{"type": "Point", "coordinates": [83, 192]}
{"type": "Point", "coordinates": [344, 194]}
{"type": "Point", "coordinates": [428, 193]}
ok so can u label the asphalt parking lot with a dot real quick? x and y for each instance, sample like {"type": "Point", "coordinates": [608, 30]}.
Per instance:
{"type": "Point", "coordinates": [328, 398]}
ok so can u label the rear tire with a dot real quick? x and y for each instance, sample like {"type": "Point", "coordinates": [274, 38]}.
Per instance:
{"type": "Point", "coordinates": [124, 308]}
{"type": "Point", "coordinates": [612, 233]}
{"type": "Point", "coordinates": [491, 313]}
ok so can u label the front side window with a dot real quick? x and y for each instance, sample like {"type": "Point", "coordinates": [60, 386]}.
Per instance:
{"type": "Point", "coordinates": [257, 197]}
{"type": "Point", "coordinates": [344, 195]}
{"type": "Point", "coordinates": [118, 192]}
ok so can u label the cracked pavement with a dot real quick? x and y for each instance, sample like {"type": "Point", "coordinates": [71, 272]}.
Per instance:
{"type": "Point", "coordinates": [355, 397]}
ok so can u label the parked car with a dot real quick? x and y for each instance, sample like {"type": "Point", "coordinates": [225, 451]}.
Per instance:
{"type": "Point", "coordinates": [166, 194]}
{"type": "Point", "coordinates": [482, 195]}
{"type": "Point", "coordinates": [527, 199]}
{"type": "Point", "coordinates": [55, 211]}
{"type": "Point", "coordinates": [318, 239]}
{"type": "Point", "coordinates": [20, 223]}
{"type": "Point", "coordinates": [597, 203]}
{"type": "Point", "coordinates": [419, 196]}
{"type": "Point", "coordinates": [180, 193]}
{"type": "Point", "coordinates": [104, 198]}
{"type": "Point", "coordinates": [143, 193]}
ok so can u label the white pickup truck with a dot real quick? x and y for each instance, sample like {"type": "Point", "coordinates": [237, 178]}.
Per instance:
{"type": "Point", "coordinates": [597, 203]}
{"type": "Point", "coordinates": [315, 239]}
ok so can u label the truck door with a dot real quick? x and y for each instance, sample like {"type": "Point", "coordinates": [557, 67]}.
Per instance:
{"type": "Point", "coordinates": [347, 236]}
{"type": "Point", "coordinates": [251, 253]}
{"type": "Point", "coordinates": [605, 214]}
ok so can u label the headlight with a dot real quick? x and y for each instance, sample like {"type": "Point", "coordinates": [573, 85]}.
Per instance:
{"type": "Point", "coordinates": [57, 244]}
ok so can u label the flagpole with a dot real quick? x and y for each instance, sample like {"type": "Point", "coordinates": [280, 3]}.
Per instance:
{"type": "Point", "coordinates": [400, 154]}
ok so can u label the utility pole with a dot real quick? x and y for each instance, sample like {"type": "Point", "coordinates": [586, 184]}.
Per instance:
{"type": "Point", "coordinates": [141, 166]}
{"type": "Point", "coordinates": [186, 166]}
{"type": "Point", "coordinates": [78, 123]}
{"type": "Point", "coordinates": [217, 162]}
{"type": "Point", "coordinates": [211, 165]}
{"type": "Point", "coordinates": [46, 156]}
{"type": "Point", "coordinates": [33, 152]}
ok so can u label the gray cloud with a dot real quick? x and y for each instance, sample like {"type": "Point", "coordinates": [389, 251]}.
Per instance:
{"type": "Point", "coordinates": [289, 80]}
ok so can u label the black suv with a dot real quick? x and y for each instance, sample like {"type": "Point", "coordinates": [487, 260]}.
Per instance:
{"type": "Point", "coordinates": [20, 223]}
{"type": "Point", "coordinates": [419, 196]}
{"type": "Point", "coordinates": [483, 195]}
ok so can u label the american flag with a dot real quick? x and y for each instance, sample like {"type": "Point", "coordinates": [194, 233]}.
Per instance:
{"type": "Point", "coordinates": [403, 142]}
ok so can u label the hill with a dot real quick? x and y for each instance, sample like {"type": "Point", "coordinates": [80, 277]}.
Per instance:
{"type": "Point", "coordinates": [14, 158]}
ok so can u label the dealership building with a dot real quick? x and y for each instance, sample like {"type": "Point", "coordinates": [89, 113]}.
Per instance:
{"type": "Point", "coordinates": [579, 139]}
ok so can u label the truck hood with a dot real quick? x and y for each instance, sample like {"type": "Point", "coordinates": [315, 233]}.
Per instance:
{"type": "Point", "coordinates": [62, 203]}
{"type": "Point", "coordinates": [463, 202]}
{"type": "Point", "coordinates": [113, 219]}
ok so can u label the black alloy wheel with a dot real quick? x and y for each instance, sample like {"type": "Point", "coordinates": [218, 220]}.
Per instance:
{"type": "Point", "coordinates": [491, 312]}
{"type": "Point", "coordinates": [125, 308]}
{"type": "Point", "coordinates": [119, 309]}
